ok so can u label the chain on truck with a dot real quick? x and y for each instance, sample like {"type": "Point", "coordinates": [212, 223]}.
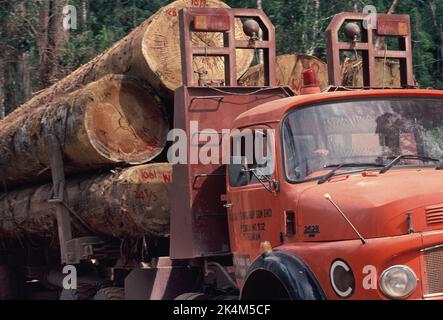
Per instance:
{"type": "Point", "coordinates": [352, 210]}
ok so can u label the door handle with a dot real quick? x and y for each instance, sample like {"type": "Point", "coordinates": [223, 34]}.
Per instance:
{"type": "Point", "coordinates": [228, 205]}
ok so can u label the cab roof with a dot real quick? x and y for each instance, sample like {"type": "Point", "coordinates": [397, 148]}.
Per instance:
{"type": "Point", "coordinates": [274, 111]}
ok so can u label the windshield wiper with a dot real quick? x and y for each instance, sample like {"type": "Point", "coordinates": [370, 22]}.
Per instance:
{"type": "Point", "coordinates": [345, 165]}
{"type": "Point", "coordinates": [407, 156]}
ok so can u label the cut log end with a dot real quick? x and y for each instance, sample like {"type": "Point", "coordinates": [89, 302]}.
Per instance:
{"type": "Point", "coordinates": [161, 46]}
{"type": "Point", "coordinates": [128, 125]}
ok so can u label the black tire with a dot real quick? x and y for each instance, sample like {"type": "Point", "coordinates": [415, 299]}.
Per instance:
{"type": "Point", "coordinates": [83, 292]}
{"type": "Point", "coordinates": [110, 293]}
{"type": "Point", "coordinates": [86, 290]}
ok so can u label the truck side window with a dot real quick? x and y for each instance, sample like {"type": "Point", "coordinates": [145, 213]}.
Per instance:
{"type": "Point", "coordinates": [261, 150]}
{"type": "Point", "coordinates": [238, 177]}
{"type": "Point", "coordinates": [239, 171]}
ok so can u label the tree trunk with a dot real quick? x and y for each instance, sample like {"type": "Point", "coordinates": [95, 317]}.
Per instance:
{"type": "Point", "coordinates": [41, 38]}
{"type": "Point", "coordinates": [56, 36]}
{"type": "Point", "coordinates": [289, 72]}
{"type": "Point", "coordinates": [393, 6]}
{"type": "Point", "coordinates": [315, 28]}
{"type": "Point", "coordinates": [85, 9]}
{"type": "Point", "coordinates": [113, 120]}
{"type": "Point", "coordinates": [24, 76]}
{"type": "Point", "coordinates": [439, 26]}
{"type": "Point", "coordinates": [134, 201]}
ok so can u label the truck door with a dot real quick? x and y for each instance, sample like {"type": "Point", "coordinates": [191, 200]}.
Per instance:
{"type": "Point", "coordinates": [252, 199]}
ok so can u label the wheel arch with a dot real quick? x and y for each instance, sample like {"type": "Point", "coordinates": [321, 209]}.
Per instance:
{"type": "Point", "coordinates": [276, 274]}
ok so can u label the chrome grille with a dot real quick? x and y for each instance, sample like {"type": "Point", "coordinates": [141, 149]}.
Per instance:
{"type": "Point", "coordinates": [434, 214]}
{"type": "Point", "coordinates": [434, 269]}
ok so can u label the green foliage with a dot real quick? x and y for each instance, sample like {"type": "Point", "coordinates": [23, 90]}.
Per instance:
{"type": "Point", "coordinates": [106, 22]}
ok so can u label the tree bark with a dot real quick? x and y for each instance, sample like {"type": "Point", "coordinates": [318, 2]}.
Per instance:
{"type": "Point", "coordinates": [114, 120]}
{"type": "Point", "coordinates": [85, 9]}
{"type": "Point", "coordinates": [24, 76]}
{"type": "Point", "coordinates": [133, 201]}
{"type": "Point", "coordinates": [289, 72]}
{"type": "Point", "coordinates": [41, 38]}
{"type": "Point", "coordinates": [56, 36]}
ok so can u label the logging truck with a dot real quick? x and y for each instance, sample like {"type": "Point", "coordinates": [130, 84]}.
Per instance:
{"type": "Point", "coordinates": [352, 208]}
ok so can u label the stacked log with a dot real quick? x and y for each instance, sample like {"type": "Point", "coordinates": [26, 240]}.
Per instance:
{"type": "Point", "coordinates": [131, 202]}
{"type": "Point", "coordinates": [110, 121]}
{"type": "Point", "coordinates": [151, 52]}
{"type": "Point", "coordinates": [288, 72]}
{"type": "Point", "coordinates": [112, 111]}
{"type": "Point", "coordinates": [387, 73]}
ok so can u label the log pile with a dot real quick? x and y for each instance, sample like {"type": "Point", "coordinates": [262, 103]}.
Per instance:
{"type": "Point", "coordinates": [110, 113]}
{"type": "Point", "coordinates": [110, 121]}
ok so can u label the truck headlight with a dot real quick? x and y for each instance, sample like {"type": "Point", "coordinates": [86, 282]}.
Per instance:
{"type": "Point", "coordinates": [398, 282]}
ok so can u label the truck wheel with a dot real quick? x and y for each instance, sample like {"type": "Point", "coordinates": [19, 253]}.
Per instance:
{"type": "Point", "coordinates": [77, 294]}
{"type": "Point", "coordinates": [84, 291]}
{"type": "Point", "coordinates": [191, 296]}
{"type": "Point", "coordinates": [110, 293]}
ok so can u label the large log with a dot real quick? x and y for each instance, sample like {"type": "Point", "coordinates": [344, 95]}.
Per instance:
{"type": "Point", "coordinates": [161, 48]}
{"type": "Point", "coordinates": [288, 72]}
{"type": "Point", "coordinates": [129, 202]}
{"type": "Point", "coordinates": [110, 121]}
{"type": "Point", "coordinates": [150, 52]}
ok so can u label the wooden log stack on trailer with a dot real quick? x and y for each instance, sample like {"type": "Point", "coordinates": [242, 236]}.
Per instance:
{"type": "Point", "coordinates": [114, 111]}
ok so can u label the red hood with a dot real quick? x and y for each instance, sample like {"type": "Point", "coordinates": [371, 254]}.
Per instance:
{"type": "Point", "coordinates": [377, 205]}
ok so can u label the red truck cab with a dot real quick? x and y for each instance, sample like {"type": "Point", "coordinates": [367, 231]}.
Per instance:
{"type": "Point", "coordinates": [398, 213]}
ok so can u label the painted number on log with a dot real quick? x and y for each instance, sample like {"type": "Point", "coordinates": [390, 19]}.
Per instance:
{"type": "Point", "coordinates": [147, 196]}
{"type": "Point", "coordinates": [172, 12]}
{"type": "Point", "coordinates": [195, 3]}
{"type": "Point", "coordinates": [199, 3]}
{"type": "Point", "coordinates": [152, 175]}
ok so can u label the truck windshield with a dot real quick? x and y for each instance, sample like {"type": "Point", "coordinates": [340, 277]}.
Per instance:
{"type": "Point", "coordinates": [360, 131]}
